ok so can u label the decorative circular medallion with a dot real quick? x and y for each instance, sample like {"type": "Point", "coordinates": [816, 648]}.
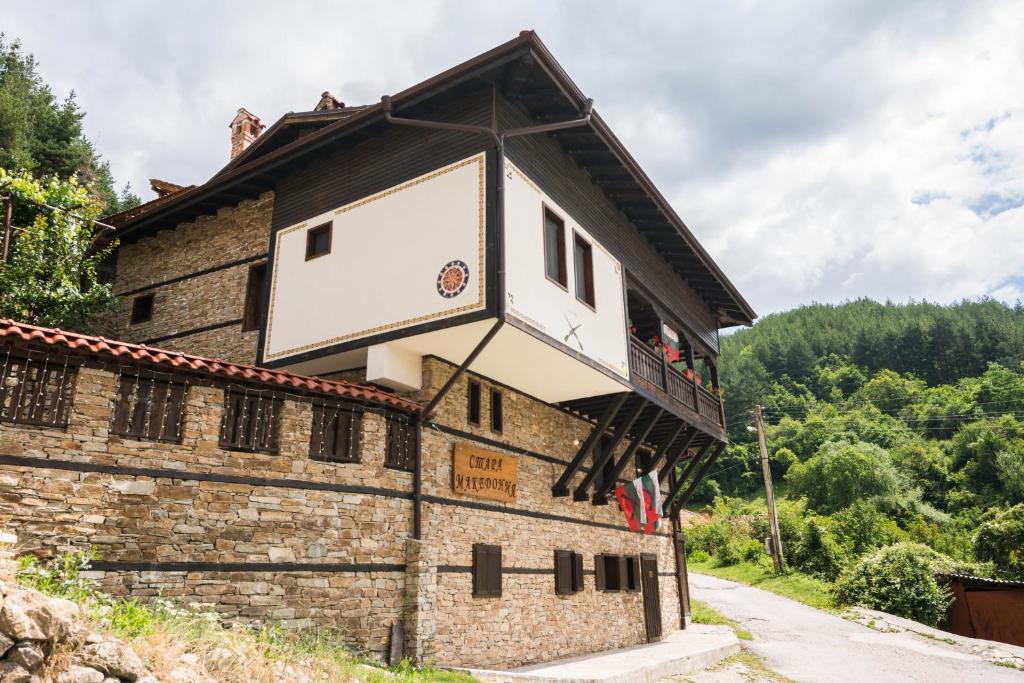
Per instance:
{"type": "Point", "coordinates": [452, 279]}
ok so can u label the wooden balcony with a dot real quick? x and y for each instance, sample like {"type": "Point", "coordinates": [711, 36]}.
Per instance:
{"type": "Point", "coordinates": [650, 371]}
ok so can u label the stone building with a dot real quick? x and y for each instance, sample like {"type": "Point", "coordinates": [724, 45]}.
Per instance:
{"type": "Point", "coordinates": [448, 327]}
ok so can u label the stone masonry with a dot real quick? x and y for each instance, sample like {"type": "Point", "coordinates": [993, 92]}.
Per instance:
{"type": "Point", "coordinates": [211, 299]}
{"type": "Point", "coordinates": [262, 536]}
{"type": "Point", "coordinates": [141, 525]}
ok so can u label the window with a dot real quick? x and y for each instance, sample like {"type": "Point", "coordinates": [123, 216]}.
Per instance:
{"type": "Point", "coordinates": [568, 572]}
{"type": "Point", "coordinates": [613, 573]}
{"type": "Point", "coordinates": [318, 241]}
{"type": "Point", "coordinates": [486, 571]}
{"type": "Point", "coordinates": [583, 263]}
{"type": "Point", "coordinates": [497, 416]}
{"type": "Point", "coordinates": [254, 298]}
{"type": "Point", "coordinates": [36, 392]}
{"type": "Point", "coordinates": [149, 408]}
{"type": "Point", "coordinates": [142, 309]}
{"type": "Point", "coordinates": [554, 249]}
{"type": "Point", "coordinates": [400, 450]}
{"type": "Point", "coordinates": [336, 434]}
{"type": "Point", "coordinates": [473, 416]}
{"type": "Point", "coordinates": [249, 422]}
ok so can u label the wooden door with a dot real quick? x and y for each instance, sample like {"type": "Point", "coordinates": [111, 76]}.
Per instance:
{"type": "Point", "coordinates": [652, 596]}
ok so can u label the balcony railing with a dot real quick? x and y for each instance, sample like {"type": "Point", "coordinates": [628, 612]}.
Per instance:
{"type": "Point", "coordinates": [646, 364]}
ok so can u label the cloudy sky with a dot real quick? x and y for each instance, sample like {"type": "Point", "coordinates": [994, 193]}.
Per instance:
{"type": "Point", "coordinates": [820, 151]}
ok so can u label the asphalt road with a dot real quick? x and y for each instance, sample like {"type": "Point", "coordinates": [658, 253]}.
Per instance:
{"type": "Point", "coordinates": [806, 644]}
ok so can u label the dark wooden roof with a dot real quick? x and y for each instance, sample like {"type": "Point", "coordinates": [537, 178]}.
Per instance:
{"type": "Point", "coordinates": [526, 72]}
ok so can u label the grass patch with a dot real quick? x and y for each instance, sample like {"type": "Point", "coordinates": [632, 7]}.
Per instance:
{"type": "Point", "coordinates": [702, 613]}
{"type": "Point", "coordinates": [800, 587]}
{"type": "Point", "coordinates": [165, 634]}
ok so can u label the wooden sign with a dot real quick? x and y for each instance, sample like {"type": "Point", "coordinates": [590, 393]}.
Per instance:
{"type": "Point", "coordinates": [484, 474]}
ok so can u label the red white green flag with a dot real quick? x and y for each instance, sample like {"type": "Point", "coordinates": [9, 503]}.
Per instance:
{"type": "Point", "coordinates": [640, 502]}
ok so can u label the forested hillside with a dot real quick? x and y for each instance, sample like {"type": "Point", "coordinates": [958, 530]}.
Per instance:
{"type": "Point", "coordinates": [896, 436]}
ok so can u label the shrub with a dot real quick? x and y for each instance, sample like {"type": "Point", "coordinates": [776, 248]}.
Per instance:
{"type": "Point", "coordinates": [817, 553]}
{"type": "Point", "coordinates": [1001, 542]}
{"type": "Point", "coordinates": [711, 537]}
{"type": "Point", "coordinates": [698, 556]}
{"type": "Point", "coordinates": [900, 580]}
{"type": "Point", "coordinates": [750, 549]}
{"type": "Point", "coordinates": [861, 527]}
{"type": "Point", "coordinates": [729, 554]}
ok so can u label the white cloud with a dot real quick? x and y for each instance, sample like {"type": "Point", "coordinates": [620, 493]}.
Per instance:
{"type": "Point", "coordinates": [819, 150]}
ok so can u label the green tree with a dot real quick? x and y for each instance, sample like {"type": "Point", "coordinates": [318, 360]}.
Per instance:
{"type": "Point", "coordinates": [1001, 542]}
{"type": "Point", "coordinates": [50, 277]}
{"type": "Point", "coordinates": [975, 450]}
{"type": "Point", "coordinates": [841, 473]}
{"type": "Point", "coordinates": [42, 135]}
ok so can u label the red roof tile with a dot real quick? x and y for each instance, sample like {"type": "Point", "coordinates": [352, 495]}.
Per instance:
{"type": "Point", "coordinates": [13, 332]}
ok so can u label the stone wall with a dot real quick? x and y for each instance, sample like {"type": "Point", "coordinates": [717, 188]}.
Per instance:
{"type": "Point", "coordinates": [283, 537]}
{"type": "Point", "coordinates": [184, 310]}
{"type": "Point", "coordinates": [260, 536]}
{"type": "Point", "coordinates": [529, 622]}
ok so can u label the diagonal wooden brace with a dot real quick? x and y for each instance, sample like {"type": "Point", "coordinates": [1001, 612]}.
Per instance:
{"type": "Point", "coordinates": [673, 460]}
{"type": "Point", "coordinates": [561, 487]}
{"type": "Point", "coordinates": [607, 450]}
{"type": "Point", "coordinates": [601, 492]}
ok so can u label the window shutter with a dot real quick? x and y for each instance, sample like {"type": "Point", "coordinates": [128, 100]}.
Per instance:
{"type": "Point", "coordinates": [479, 568]}
{"type": "Point", "coordinates": [494, 571]}
{"type": "Point", "coordinates": [599, 572]}
{"type": "Point", "coordinates": [623, 572]}
{"type": "Point", "coordinates": [563, 572]}
{"type": "Point", "coordinates": [486, 570]}
{"type": "Point", "coordinates": [634, 573]}
{"type": "Point", "coordinates": [577, 572]}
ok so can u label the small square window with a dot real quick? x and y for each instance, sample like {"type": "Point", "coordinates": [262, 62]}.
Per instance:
{"type": "Point", "coordinates": [142, 309]}
{"type": "Point", "coordinates": [583, 262]}
{"type": "Point", "coordinates": [318, 241]}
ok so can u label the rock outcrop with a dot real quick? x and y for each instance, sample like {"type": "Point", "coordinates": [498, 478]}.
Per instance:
{"type": "Point", "coordinates": [40, 634]}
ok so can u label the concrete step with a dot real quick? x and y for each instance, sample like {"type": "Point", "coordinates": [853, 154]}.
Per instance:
{"type": "Point", "coordinates": [679, 653]}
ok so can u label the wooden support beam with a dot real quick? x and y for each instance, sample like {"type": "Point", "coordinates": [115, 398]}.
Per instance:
{"type": "Point", "coordinates": [561, 487]}
{"type": "Point", "coordinates": [601, 492]}
{"type": "Point", "coordinates": [666, 444]}
{"type": "Point", "coordinates": [678, 485]}
{"type": "Point", "coordinates": [672, 460]}
{"type": "Point", "coordinates": [607, 450]}
{"type": "Point", "coordinates": [683, 499]}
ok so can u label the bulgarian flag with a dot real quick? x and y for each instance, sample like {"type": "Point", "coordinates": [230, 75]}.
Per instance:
{"type": "Point", "coordinates": [640, 502]}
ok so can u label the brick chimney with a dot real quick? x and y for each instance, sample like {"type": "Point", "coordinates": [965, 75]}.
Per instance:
{"type": "Point", "coordinates": [245, 128]}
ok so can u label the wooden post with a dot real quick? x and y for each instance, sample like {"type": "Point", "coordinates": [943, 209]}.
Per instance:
{"type": "Point", "coordinates": [769, 491]}
{"type": "Point", "coordinates": [9, 205]}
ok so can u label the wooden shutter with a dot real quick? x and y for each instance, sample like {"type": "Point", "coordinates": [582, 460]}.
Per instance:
{"type": "Point", "coordinates": [577, 572]}
{"type": "Point", "coordinates": [494, 571]}
{"type": "Point", "coordinates": [623, 572]}
{"type": "Point", "coordinates": [633, 584]}
{"type": "Point", "coordinates": [486, 571]}
{"type": "Point", "coordinates": [599, 581]}
{"type": "Point", "coordinates": [563, 572]}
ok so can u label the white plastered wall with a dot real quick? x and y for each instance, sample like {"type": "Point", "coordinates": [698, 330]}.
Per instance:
{"type": "Point", "coordinates": [387, 251]}
{"type": "Point", "coordinates": [600, 332]}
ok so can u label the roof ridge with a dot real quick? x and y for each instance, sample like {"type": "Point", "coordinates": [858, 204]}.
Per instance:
{"type": "Point", "coordinates": [80, 342]}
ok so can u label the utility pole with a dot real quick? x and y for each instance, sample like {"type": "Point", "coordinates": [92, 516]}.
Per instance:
{"type": "Point", "coordinates": [769, 491]}
{"type": "Point", "coordinates": [7, 225]}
